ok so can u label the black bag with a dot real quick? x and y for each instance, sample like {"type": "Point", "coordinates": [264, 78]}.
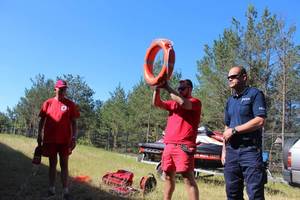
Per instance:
{"type": "Point", "coordinates": [148, 183]}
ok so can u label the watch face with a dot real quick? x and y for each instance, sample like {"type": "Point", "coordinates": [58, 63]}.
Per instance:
{"type": "Point", "coordinates": [233, 131]}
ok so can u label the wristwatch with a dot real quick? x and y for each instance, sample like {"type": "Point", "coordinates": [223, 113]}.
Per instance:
{"type": "Point", "coordinates": [234, 131]}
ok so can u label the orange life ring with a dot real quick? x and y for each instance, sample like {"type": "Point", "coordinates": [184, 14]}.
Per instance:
{"type": "Point", "coordinates": [168, 65]}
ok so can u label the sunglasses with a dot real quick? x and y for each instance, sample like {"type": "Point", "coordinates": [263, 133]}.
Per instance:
{"type": "Point", "coordinates": [234, 76]}
{"type": "Point", "coordinates": [181, 88]}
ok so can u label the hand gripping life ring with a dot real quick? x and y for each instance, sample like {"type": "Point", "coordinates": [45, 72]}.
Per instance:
{"type": "Point", "coordinates": [168, 61]}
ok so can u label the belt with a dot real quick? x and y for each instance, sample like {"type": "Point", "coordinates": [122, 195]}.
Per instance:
{"type": "Point", "coordinates": [243, 143]}
{"type": "Point", "coordinates": [184, 148]}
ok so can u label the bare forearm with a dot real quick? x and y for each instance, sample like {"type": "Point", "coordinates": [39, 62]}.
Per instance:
{"type": "Point", "coordinates": [40, 130]}
{"type": "Point", "coordinates": [41, 126]}
{"type": "Point", "coordinates": [223, 155]}
{"type": "Point", "coordinates": [74, 129]}
{"type": "Point", "coordinates": [185, 103]}
{"type": "Point", "coordinates": [252, 125]}
{"type": "Point", "coordinates": [156, 100]}
{"type": "Point", "coordinates": [177, 98]}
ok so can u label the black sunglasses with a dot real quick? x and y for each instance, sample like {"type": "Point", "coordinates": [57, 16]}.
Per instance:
{"type": "Point", "coordinates": [182, 88]}
{"type": "Point", "coordinates": [234, 76]}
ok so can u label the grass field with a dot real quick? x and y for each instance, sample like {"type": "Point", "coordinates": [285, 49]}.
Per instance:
{"type": "Point", "coordinates": [18, 182]}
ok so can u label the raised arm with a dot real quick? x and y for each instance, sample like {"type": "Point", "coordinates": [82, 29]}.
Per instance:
{"type": "Point", "coordinates": [182, 101]}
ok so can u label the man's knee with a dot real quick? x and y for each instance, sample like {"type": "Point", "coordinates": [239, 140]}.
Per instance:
{"type": "Point", "coordinates": [64, 160]}
{"type": "Point", "coordinates": [255, 187]}
{"type": "Point", "coordinates": [189, 178]}
{"type": "Point", "coordinates": [170, 175]}
{"type": "Point", "coordinates": [53, 161]}
{"type": "Point", "coordinates": [234, 185]}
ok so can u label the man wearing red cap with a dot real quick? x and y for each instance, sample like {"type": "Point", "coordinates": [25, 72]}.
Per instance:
{"type": "Point", "coordinates": [58, 120]}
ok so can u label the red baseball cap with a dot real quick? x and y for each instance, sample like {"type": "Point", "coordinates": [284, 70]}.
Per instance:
{"type": "Point", "coordinates": [61, 84]}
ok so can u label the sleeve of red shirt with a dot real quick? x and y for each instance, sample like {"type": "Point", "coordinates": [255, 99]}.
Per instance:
{"type": "Point", "coordinates": [44, 108]}
{"type": "Point", "coordinates": [196, 104]}
{"type": "Point", "coordinates": [169, 105]}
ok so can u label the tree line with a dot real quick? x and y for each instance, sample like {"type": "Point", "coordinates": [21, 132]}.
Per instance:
{"type": "Point", "coordinates": [264, 46]}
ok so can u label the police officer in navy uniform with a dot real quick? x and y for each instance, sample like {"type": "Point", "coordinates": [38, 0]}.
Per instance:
{"type": "Point", "coordinates": [245, 115]}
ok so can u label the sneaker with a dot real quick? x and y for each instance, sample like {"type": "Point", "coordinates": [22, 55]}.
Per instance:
{"type": "Point", "coordinates": [67, 196]}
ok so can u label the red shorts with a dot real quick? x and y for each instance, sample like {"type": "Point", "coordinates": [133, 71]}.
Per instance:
{"type": "Point", "coordinates": [52, 149]}
{"type": "Point", "coordinates": [175, 159]}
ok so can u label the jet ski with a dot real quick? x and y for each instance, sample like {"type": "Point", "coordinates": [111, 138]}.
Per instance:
{"type": "Point", "coordinates": [208, 154]}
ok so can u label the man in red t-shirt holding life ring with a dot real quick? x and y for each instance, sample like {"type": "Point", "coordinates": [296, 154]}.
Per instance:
{"type": "Point", "coordinates": [58, 119]}
{"type": "Point", "coordinates": [180, 136]}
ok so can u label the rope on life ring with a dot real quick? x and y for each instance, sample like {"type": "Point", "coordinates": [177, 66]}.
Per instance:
{"type": "Point", "coordinates": [168, 61]}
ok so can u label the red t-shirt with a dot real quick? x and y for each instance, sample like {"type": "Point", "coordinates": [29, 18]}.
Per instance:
{"type": "Point", "coordinates": [182, 124]}
{"type": "Point", "coordinates": [58, 117]}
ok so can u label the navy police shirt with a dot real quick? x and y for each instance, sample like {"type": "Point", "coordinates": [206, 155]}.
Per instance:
{"type": "Point", "coordinates": [242, 108]}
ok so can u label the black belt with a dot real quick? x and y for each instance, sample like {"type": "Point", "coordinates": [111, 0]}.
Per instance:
{"type": "Point", "coordinates": [243, 143]}
{"type": "Point", "coordinates": [184, 148]}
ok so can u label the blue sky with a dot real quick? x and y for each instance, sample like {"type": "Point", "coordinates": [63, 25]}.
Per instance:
{"type": "Point", "coordinates": [105, 41]}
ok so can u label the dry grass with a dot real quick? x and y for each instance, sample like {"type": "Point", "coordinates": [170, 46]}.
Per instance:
{"type": "Point", "coordinates": [16, 175]}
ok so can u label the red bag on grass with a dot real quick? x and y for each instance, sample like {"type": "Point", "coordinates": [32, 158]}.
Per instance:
{"type": "Point", "coordinates": [118, 178]}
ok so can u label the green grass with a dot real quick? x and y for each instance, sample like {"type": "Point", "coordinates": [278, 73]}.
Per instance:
{"type": "Point", "coordinates": [16, 175]}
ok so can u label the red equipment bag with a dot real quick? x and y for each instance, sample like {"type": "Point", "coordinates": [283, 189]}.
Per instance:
{"type": "Point", "coordinates": [148, 183]}
{"type": "Point", "coordinates": [119, 178]}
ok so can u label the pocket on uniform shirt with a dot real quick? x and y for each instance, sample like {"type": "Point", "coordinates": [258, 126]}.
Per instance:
{"type": "Point", "coordinates": [245, 108]}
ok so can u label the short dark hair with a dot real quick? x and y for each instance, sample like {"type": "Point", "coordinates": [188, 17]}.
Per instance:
{"type": "Point", "coordinates": [242, 69]}
{"type": "Point", "coordinates": [188, 81]}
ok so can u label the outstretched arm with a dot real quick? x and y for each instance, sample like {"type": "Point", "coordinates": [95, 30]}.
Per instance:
{"type": "Point", "coordinates": [156, 100]}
